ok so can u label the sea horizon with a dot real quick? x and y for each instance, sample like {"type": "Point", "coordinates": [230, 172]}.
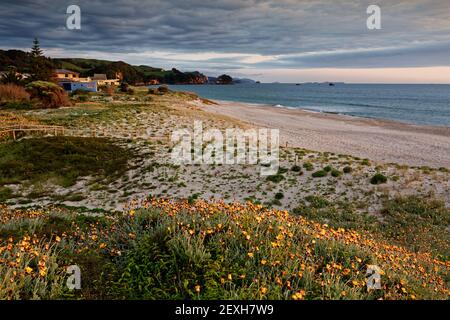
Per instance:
{"type": "Point", "coordinates": [418, 104]}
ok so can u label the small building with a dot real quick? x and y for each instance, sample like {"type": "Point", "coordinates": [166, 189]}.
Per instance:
{"type": "Point", "coordinates": [72, 86]}
{"type": "Point", "coordinates": [102, 80]}
{"type": "Point", "coordinates": [64, 74]}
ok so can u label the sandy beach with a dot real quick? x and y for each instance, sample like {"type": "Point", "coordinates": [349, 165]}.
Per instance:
{"type": "Point", "coordinates": [379, 140]}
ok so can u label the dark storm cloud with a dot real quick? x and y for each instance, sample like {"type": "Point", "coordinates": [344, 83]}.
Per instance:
{"type": "Point", "coordinates": [277, 33]}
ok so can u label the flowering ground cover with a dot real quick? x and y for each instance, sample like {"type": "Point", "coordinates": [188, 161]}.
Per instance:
{"type": "Point", "coordinates": [163, 249]}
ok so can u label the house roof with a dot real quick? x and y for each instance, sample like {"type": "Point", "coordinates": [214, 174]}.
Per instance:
{"type": "Point", "coordinates": [99, 76]}
{"type": "Point", "coordinates": [66, 71]}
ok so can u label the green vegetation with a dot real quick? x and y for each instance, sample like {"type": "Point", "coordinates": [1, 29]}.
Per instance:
{"type": "Point", "coordinates": [275, 178]}
{"type": "Point", "coordinates": [319, 174]}
{"type": "Point", "coordinates": [202, 251]}
{"type": "Point", "coordinates": [417, 223]}
{"type": "Point", "coordinates": [64, 159]}
{"type": "Point", "coordinates": [347, 169]}
{"type": "Point", "coordinates": [378, 178]}
{"type": "Point", "coordinates": [335, 173]}
{"type": "Point", "coordinates": [317, 202]}
{"type": "Point", "coordinates": [279, 195]}
{"type": "Point", "coordinates": [308, 166]}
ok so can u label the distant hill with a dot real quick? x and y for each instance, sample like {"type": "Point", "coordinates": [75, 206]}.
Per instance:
{"type": "Point", "coordinates": [131, 74]}
{"type": "Point", "coordinates": [19, 59]}
{"type": "Point", "coordinates": [87, 67]}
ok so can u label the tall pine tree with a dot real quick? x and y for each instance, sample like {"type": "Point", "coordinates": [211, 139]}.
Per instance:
{"type": "Point", "coordinates": [36, 50]}
{"type": "Point", "coordinates": [41, 68]}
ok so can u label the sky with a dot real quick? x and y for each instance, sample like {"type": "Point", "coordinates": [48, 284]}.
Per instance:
{"type": "Point", "coordinates": [266, 40]}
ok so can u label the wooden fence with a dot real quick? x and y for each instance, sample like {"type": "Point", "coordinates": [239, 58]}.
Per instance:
{"type": "Point", "coordinates": [13, 131]}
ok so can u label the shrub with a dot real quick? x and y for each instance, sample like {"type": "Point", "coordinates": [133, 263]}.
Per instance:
{"type": "Point", "coordinates": [347, 169]}
{"type": "Point", "coordinates": [317, 202]}
{"type": "Point", "coordinates": [282, 170]}
{"type": "Point", "coordinates": [378, 178]}
{"type": "Point", "coordinates": [275, 178]}
{"type": "Point", "coordinates": [276, 202]}
{"type": "Point", "coordinates": [48, 93]}
{"type": "Point", "coordinates": [13, 93]}
{"type": "Point", "coordinates": [327, 169]}
{"type": "Point", "coordinates": [308, 166]}
{"type": "Point", "coordinates": [296, 168]}
{"type": "Point", "coordinates": [279, 195]}
{"type": "Point", "coordinates": [109, 90]}
{"type": "Point", "coordinates": [319, 174]}
{"type": "Point", "coordinates": [335, 173]}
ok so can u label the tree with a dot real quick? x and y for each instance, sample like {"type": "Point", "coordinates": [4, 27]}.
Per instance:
{"type": "Point", "coordinates": [36, 50]}
{"type": "Point", "coordinates": [41, 68]}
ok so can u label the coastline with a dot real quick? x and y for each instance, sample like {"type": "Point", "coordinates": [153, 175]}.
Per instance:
{"type": "Point", "coordinates": [385, 141]}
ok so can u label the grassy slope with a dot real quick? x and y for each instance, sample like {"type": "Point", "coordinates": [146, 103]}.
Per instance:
{"type": "Point", "coordinates": [165, 250]}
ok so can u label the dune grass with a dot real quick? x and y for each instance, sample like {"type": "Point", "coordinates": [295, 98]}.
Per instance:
{"type": "Point", "coordinates": [64, 159]}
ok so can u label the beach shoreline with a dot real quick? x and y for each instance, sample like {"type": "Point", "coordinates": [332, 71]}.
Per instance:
{"type": "Point", "coordinates": [384, 141]}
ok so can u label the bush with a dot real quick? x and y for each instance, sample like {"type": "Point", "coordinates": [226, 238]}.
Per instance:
{"type": "Point", "coordinates": [378, 179]}
{"type": "Point", "coordinates": [282, 170]}
{"type": "Point", "coordinates": [296, 168]}
{"type": "Point", "coordinates": [348, 169]}
{"type": "Point", "coordinates": [13, 93]}
{"type": "Point", "coordinates": [48, 93]}
{"type": "Point", "coordinates": [319, 174]}
{"type": "Point", "coordinates": [327, 169]}
{"type": "Point", "coordinates": [279, 195]}
{"type": "Point", "coordinates": [275, 178]}
{"type": "Point", "coordinates": [317, 202]}
{"type": "Point", "coordinates": [308, 166]}
{"type": "Point", "coordinates": [109, 90]}
{"type": "Point", "coordinates": [335, 173]}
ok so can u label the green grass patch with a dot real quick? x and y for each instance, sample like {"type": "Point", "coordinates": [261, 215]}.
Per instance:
{"type": "Point", "coordinates": [64, 159]}
{"type": "Point", "coordinates": [378, 178]}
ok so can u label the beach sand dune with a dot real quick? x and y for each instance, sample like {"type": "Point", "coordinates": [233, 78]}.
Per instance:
{"type": "Point", "coordinates": [379, 140]}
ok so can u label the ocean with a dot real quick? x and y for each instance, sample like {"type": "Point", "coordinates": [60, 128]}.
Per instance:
{"type": "Point", "coordinates": [416, 104]}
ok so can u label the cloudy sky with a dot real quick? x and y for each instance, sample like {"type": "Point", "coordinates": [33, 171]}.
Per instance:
{"type": "Point", "coordinates": [267, 40]}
